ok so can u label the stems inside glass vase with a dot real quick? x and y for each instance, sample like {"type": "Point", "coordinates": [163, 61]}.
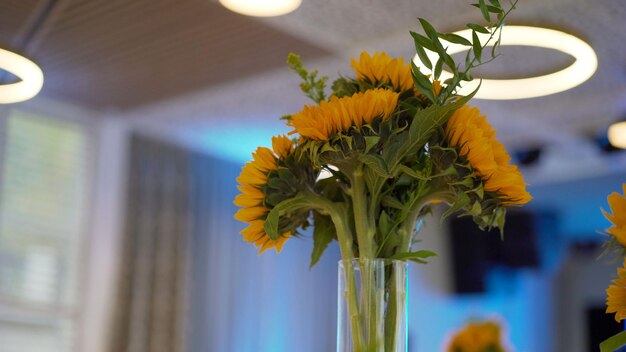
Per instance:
{"type": "Point", "coordinates": [378, 322]}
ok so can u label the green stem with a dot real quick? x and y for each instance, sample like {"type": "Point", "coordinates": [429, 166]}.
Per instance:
{"type": "Point", "coordinates": [339, 214]}
{"type": "Point", "coordinates": [364, 232]}
{"type": "Point", "coordinates": [391, 316]}
{"type": "Point", "coordinates": [408, 225]}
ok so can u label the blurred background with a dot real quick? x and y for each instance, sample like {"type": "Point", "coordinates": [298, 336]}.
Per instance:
{"type": "Point", "coordinates": [117, 180]}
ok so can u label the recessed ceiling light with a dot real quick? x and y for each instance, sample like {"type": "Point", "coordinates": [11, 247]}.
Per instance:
{"type": "Point", "coordinates": [30, 75]}
{"type": "Point", "coordinates": [617, 134]}
{"type": "Point", "coordinates": [581, 70]}
{"type": "Point", "coordinates": [261, 8]}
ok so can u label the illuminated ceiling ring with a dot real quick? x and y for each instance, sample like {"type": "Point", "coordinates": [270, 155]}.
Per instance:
{"type": "Point", "coordinates": [30, 75]}
{"type": "Point", "coordinates": [584, 66]}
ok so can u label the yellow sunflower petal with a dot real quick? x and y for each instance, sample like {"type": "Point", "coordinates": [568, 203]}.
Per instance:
{"type": "Point", "coordinates": [469, 131]}
{"type": "Point", "coordinates": [244, 200]}
{"type": "Point", "coordinates": [252, 181]}
{"type": "Point", "coordinates": [282, 146]}
{"type": "Point", "coordinates": [382, 68]}
{"type": "Point", "coordinates": [616, 295]}
{"type": "Point", "coordinates": [264, 159]}
{"type": "Point", "coordinates": [340, 114]}
{"type": "Point", "coordinates": [617, 204]}
{"type": "Point", "coordinates": [249, 214]}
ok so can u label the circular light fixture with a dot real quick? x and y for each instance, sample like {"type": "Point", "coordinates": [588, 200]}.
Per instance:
{"type": "Point", "coordinates": [617, 134]}
{"type": "Point", "coordinates": [30, 75]}
{"type": "Point", "coordinates": [581, 70]}
{"type": "Point", "coordinates": [261, 8]}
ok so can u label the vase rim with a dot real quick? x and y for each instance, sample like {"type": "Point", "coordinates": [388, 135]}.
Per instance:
{"type": "Point", "coordinates": [386, 261]}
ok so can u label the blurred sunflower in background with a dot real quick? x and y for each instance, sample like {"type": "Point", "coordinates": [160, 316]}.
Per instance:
{"type": "Point", "coordinates": [616, 293]}
{"type": "Point", "coordinates": [477, 337]}
{"type": "Point", "coordinates": [617, 204]}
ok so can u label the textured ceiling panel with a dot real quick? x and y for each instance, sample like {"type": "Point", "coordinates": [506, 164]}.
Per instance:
{"type": "Point", "coordinates": [119, 54]}
{"type": "Point", "coordinates": [15, 15]}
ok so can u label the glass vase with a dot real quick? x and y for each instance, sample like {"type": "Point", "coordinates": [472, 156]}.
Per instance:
{"type": "Point", "coordinates": [372, 311]}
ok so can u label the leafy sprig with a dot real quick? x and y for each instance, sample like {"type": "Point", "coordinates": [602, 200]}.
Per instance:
{"type": "Point", "coordinates": [312, 86]}
{"type": "Point", "coordinates": [473, 58]}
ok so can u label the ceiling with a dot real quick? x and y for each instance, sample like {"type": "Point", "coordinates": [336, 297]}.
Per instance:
{"type": "Point", "coordinates": [186, 64]}
{"type": "Point", "coordinates": [120, 54]}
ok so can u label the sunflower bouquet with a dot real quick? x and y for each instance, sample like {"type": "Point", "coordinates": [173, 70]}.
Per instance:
{"type": "Point", "coordinates": [391, 141]}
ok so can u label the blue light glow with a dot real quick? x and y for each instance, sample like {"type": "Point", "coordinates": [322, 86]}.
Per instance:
{"type": "Point", "coordinates": [236, 142]}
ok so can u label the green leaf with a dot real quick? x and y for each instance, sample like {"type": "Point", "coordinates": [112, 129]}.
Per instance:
{"type": "Point", "coordinates": [422, 41]}
{"type": "Point", "coordinates": [500, 218]}
{"type": "Point", "coordinates": [414, 174]}
{"type": "Point", "coordinates": [424, 123]}
{"type": "Point", "coordinates": [460, 203]}
{"type": "Point", "coordinates": [423, 57]}
{"type": "Point", "coordinates": [370, 142]}
{"type": "Point", "coordinates": [451, 170]}
{"type": "Point", "coordinates": [438, 47]}
{"type": "Point", "coordinates": [323, 234]}
{"type": "Point", "coordinates": [271, 224]}
{"type": "Point", "coordinates": [480, 191]}
{"type": "Point", "coordinates": [392, 202]}
{"type": "Point", "coordinates": [484, 10]}
{"type": "Point", "coordinates": [376, 163]}
{"type": "Point", "coordinates": [475, 210]}
{"type": "Point", "coordinates": [438, 68]}
{"type": "Point", "coordinates": [455, 38]}
{"type": "Point", "coordinates": [384, 223]}
{"type": "Point", "coordinates": [477, 46]}
{"type": "Point", "coordinates": [494, 9]}
{"type": "Point", "coordinates": [466, 182]}
{"type": "Point", "coordinates": [429, 30]}
{"type": "Point", "coordinates": [285, 207]}
{"type": "Point", "coordinates": [327, 147]}
{"type": "Point", "coordinates": [416, 256]}
{"type": "Point", "coordinates": [614, 342]}
{"type": "Point", "coordinates": [478, 28]}
{"type": "Point", "coordinates": [422, 83]}
{"type": "Point", "coordinates": [496, 3]}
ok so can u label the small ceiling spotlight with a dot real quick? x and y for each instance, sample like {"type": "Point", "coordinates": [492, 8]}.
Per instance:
{"type": "Point", "coordinates": [617, 134]}
{"type": "Point", "coordinates": [261, 8]}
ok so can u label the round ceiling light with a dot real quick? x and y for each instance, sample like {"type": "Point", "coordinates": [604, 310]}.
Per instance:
{"type": "Point", "coordinates": [617, 134]}
{"type": "Point", "coordinates": [581, 70]}
{"type": "Point", "coordinates": [30, 75]}
{"type": "Point", "coordinates": [261, 8]}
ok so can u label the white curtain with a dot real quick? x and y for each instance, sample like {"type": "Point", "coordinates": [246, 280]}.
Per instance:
{"type": "Point", "coordinates": [243, 302]}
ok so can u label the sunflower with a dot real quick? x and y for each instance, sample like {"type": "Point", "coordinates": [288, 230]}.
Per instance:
{"type": "Point", "coordinates": [382, 68]}
{"type": "Point", "coordinates": [252, 184]}
{"type": "Point", "coordinates": [616, 295]}
{"type": "Point", "coordinates": [617, 202]}
{"type": "Point", "coordinates": [470, 132]}
{"type": "Point", "coordinates": [321, 122]}
{"type": "Point", "coordinates": [477, 337]}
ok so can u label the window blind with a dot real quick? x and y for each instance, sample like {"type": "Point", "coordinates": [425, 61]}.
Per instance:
{"type": "Point", "coordinates": [43, 185]}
